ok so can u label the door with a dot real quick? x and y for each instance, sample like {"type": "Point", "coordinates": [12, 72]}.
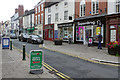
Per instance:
{"type": "Point", "coordinates": [88, 33]}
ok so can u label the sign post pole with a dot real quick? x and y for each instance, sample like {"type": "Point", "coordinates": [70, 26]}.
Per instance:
{"type": "Point", "coordinates": [36, 58]}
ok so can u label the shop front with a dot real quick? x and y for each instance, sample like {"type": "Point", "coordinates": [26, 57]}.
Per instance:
{"type": "Point", "coordinates": [90, 27]}
{"type": "Point", "coordinates": [49, 32]}
{"type": "Point", "coordinates": [113, 28]}
{"type": "Point", "coordinates": [65, 31]}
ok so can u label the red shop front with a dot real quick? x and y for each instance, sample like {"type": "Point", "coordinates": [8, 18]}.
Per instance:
{"type": "Point", "coordinates": [49, 32]}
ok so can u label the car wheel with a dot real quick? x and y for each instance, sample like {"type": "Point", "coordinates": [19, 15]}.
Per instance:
{"type": "Point", "coordinates": [32, 42]}
{"type": "Point", "coordinates": [19, 39]}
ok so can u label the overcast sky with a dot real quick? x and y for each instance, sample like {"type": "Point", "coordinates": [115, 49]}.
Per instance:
{"type": "Point", "coordinates": [7, 7]}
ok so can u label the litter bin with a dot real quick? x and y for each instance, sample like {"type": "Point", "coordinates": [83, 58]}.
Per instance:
{"type": "Point", "coordinates": [90, 41]}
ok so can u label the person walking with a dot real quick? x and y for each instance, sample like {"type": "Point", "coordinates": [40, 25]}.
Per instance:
{"type": "Point", "coordinates": [99, 39]}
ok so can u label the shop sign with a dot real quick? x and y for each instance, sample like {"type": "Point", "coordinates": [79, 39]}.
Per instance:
{"type": "Point", "coordinates": [36, 57]}
{"type": "Point", "coordinates": [49, 27]}
{"type": "Point", "coordinates": [98, 22]}
{"type": "Point", "coordinates": [98, 30]}
{"type": "Point", "coordinates": [65, 25]}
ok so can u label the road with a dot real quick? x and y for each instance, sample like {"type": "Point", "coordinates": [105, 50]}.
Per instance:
{"type": "Point", "coordinates": [71, 66]}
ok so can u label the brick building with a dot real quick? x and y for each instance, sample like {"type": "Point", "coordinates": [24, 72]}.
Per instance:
{"type": "Point", "coordinates": [39, 17]}
{"type": "Point", "coordinates": [90, 20]}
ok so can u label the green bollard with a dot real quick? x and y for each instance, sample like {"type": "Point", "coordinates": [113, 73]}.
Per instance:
{"type": "Point", "coordinates": [24, 52]}
{"type": "Point", "coordinates": [10, 44]}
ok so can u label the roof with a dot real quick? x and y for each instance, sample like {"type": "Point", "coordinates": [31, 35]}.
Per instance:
{"type": "Point", "coordinates": [29, 12]}
{"type": "Point", "coordinates": [90, 17]}
{"type": "Point", "coordinates": [52, 2]}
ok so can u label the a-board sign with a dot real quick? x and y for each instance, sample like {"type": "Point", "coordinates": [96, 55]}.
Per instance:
{"type": "Point", "coordinates": [36, 57]}
{"type": "Point", "coordinates": [5, 43]}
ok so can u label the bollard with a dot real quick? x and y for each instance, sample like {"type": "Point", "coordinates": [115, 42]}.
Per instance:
{"type": "Point", "coordinates": [23, 52]}
{"type": "Point", "coordinates": [10, 44]}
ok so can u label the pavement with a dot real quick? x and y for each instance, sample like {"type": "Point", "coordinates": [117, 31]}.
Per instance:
{"type": "Point", "coordinates": [12, 66]}
{"type": "Point", "coordinates": [83, 52]}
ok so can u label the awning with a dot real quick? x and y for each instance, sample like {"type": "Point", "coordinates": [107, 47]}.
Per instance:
{"type": "Point", "coordinates": [31, 29]}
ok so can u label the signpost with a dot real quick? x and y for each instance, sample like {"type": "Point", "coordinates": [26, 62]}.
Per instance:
{"type": "Point", "coordinates": [5, 43]}
{"type": "Point", "coordinates": [36, 58]}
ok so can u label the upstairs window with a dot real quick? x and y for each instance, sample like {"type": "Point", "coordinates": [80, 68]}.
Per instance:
{"type": "Point", "coordinates": [117, 6]}
{"type": "Point", "coordinates": [36, 10]}
{"type": "Point", "coordinates": [56, 17]}
{"type": "Point", "coordinates": [42, 7]}
{"type": "Point", "coordinates": [49, 19]}
{"type": "Point", "coordinates": [39, 9]}
{"type": "Point", "coordinates": [49, 9]}
{"type": "Point", "coordinates": [82, 8]}
{"type": "Point", "coordinates": [65, 15]}
{"type": "Point", "coordinates": [95, 6]}
{"type": "Point", "coordinates": [42, 18]}
{"type": "Point", "coordinates": [39, 19]}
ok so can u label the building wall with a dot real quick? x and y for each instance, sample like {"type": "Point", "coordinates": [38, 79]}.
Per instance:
{"type": "Point", "coordinates": [102, 5]}
{"type": "Point", "coordinates": [111, 6]}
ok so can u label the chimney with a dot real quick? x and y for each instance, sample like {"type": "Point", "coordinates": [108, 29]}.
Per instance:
{"type": "Point", "coordinates": [16, 10]}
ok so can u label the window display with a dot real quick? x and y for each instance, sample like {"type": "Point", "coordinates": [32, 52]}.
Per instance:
{"type": "Point", "coordinates": [79, 33]}
{"type": "Point", "coordinates": [118, 32]}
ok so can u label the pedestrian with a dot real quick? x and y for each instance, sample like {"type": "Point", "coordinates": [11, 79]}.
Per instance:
{"type": "Point", "coordinates": [99, 39]}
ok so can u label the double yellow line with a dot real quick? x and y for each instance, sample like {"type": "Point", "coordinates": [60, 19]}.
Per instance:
{"type": "Point", "coordinates": [51, 69]}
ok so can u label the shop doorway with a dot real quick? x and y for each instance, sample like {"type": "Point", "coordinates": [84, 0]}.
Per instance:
{"type": "Point", "coordinates": [88, 33]}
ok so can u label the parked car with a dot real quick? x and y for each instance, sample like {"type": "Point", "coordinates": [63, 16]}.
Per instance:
{"type": "Point", "coordinates": [35, 39]}
{"type": "Point", "coordinates": [13, 36]}
{"type": "Point", "coordinates": [23, 37]}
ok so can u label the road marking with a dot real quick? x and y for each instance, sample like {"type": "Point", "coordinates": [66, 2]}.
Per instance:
{"type": "Point", "coordinates": [82, 58]}
{"type": "Point", "coordinates": [59, 74]}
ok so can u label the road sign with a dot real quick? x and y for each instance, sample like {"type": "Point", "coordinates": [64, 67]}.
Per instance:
{"type": "Point", "coordinates": [5, 43]}
{"type": "Point", "coordinates": [36, 58]}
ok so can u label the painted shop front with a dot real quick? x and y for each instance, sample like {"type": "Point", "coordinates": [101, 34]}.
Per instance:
{"type": "Point", "coordinates": [90, 27]}
{"type": "Point", "coordinates": [113, 28]}
{"type": "Point", "coordinates": [49, 32]}
{"type": "Point", "coordinates": [65, 31]}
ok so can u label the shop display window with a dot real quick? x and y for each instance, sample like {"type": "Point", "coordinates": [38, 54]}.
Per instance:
{"type": "Point", "coordinates": [119, 32]}
{"type": "Point", "coordinates": [79, 33]}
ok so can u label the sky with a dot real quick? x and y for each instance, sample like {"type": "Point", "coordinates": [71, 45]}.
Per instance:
{"type": "Point", "coordinates": [7, 7]}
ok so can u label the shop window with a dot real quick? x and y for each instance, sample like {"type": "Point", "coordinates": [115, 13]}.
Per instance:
{"type": "Point", "coordinates": [112, 35]}
{"type": "Point", "coordinates": [82, 8]}
{"type": "Point", "coordinates": [95, 7]}
{"type": "Point", "coordinates": [79, 33]}
{"type": "Point", "coordinates": [119, 32]}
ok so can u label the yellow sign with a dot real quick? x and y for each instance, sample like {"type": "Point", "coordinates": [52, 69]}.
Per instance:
{"type": "Point", "coordinates": [98, 29]}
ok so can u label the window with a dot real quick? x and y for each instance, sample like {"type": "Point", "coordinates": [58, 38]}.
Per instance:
{"type": "Point", "coordinates": [39, 9]}
{"type": "Point", "coordinates": [36, 19]}
{"type": "Point", "coordinates": [119, 32]}
{"type": "Point", "coordinates": [56, 17]}
{"type": "Point", "coordinates": [56, 6]}
{"type": "Point", "coordinates": [39, 19]}
{"type": "Point", "coordinates": [42, 18]}
{"type": "Point", "coordinates": [49, 9]}
{"type": "Point", "coordinates": [49, 19]}
{"type": "Point", "coordinates": [36, 10]}
{"type": "Point", "coordinates": [65, 3]}
{"type": "Point", "coordinates": [65, 15]}
{"type": "Point", "coordinates": [82, 8]}
{"type": "Point", "coordinates": [42, 7]}
{"type": "Point", "coordinates": [95, 6]}
{"type": "Point", "coordinates": [117, 5]}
